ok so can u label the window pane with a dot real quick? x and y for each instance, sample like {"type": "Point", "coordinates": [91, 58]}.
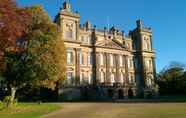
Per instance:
{"type": "Point", "coordinates": [69, 58]}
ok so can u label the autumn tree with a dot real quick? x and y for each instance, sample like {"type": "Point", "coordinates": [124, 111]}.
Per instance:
{"type": "Point", "coordinates": [42, 62]}
{"type": "Point", "coordinates": [14, 22]}
{"type": "Point", "coordinates": [46, 49]}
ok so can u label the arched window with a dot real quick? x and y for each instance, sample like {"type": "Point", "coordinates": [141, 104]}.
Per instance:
{"type": "Point", "coordinates": [112, 78]}
{"type": "Point", "coordinates": [131, 78]}
{"type": "Point", "coordinates": [90, 78]}
{"type": "Point", "coordinates": [149, 80]}
{"type": "Point", "coordinates": [121, 78]}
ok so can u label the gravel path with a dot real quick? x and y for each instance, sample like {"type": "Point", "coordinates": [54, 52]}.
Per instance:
{"type": "Point", "coordinates": [119, 110]}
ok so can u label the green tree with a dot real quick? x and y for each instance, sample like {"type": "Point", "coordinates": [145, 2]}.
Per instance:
{"type": "Point", "coordinates": [42, 62]}
{"type": "Point", "coordinates": [171, 79]}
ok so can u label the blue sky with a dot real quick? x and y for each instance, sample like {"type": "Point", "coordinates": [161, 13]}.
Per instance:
{"type": "Point", "coordinates": [167, 18]}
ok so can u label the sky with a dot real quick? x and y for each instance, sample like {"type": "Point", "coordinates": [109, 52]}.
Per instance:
{"type": "Point", "coordinates": [167, 18]}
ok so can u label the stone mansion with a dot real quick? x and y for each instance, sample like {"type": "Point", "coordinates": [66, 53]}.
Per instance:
{"type": "Point", "coordinates": [116, 62]}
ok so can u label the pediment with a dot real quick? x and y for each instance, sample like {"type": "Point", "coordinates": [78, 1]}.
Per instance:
{"type": "Point", "coordinates": [109, 44]}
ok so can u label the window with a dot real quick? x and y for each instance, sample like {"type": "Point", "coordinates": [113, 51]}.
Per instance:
{"type": "Point", "coordinates": [85, 39]}
{"type": "Point", "coordinates": [121, 78]}
{"type": "Point", "coordinates": [69, 76]}
{"type": "Point", "coordinates": [89, 39]}
{"type": "Point", "coordinates": [147, 44]}
{"type": "Point", "coordinates": [131, 78]}
{"type": "Point", "coordinates": [82, 77]}
{"type": "Point", "coordinates": [130, 63]}
{"type": "Point", "coordinates": [121, 61]}
{"type": "Point", "coordinates": [136, 63]}
{"type": "Point", "coordinates": [112, 78]}
{"type": "Point", "coordinates": [102, 77]}
{"type": "Point", "coordinates": [69, 33]}
{"type": "Point", "coordinates": [82, 38]}
{"type": "Point", "coordinates": [69, 58]}
{"type": "Point", "coordinates": [81, 58]}
{"type": "Point", "coordinates": [90, 58]}
{"type": "Point", "coordinates": [149, 64]}
{"type": "Point", "coordinates": [90, 78]}
{"type": "Point", "coordinates": [111, 60]}
{"type": "Point", "coordinates": [101, 59]}
{"type": "Point", "coordinates": [149, 80]}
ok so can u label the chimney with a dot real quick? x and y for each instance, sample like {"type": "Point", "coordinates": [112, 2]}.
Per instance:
{"type": "Point", "coordinates": [139, 24]}
{"type": "Point", "coordinates": [67, 6]}
{"type": "Point", "coordinates": [88, 25]}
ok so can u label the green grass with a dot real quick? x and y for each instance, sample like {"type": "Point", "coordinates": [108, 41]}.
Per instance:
{"type": "Point", "coordinates": [28, 110]}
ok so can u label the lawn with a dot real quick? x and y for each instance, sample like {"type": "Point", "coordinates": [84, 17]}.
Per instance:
{"type": "Point", "coordinates": [28, 110]}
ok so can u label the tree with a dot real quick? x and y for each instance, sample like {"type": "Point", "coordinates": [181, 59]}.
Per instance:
{"type": "Point", "coordinates": [42, 61]}
{"type": "Point", "coordinates": [171, 79]}
{"type": "Point", "coordinates": [46, 49]}
{"type": "Point", "coordinates": [14, 22]}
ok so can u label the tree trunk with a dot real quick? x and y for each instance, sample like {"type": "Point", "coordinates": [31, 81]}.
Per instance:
{"type": "Point", "coordinates": [13, 92]}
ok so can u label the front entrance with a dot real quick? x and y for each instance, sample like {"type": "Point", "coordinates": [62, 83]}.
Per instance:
{"type": "Point", "coordinates": [110, 93]}
{"type": "Point", "coordinates": [130, 93]}
{"type": "Point", "coordinates": [120, 94]}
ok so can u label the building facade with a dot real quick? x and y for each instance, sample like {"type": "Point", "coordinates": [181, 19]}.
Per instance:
{"type": "Point", "coordinates": [108, 58]}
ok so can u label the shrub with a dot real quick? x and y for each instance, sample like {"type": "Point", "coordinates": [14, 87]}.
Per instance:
{"type": "Point", "coordinates": [1, 105]}
{"type": "Point", "coordinates": [7, 102]}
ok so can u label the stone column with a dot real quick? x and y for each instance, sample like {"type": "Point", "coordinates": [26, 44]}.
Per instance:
{"type": "Point", "coordinates": [77, 66]}
{"type": "Point", "coordinates": [77, 30]}
{"type": "Point", "coordinates": [154, 67]}
{"type": "Point", "coordinates": [117, 67]}
{"type": "Point", "coordinates": [126, 70]}
{"type": "Point", "coordinates": [107, 68]}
